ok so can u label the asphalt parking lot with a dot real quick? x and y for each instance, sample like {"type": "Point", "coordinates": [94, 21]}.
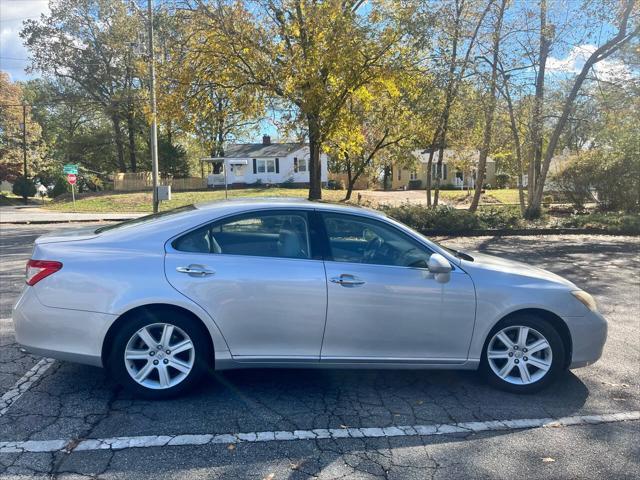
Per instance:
{"type": "Point", "coordinates": [277, 424]}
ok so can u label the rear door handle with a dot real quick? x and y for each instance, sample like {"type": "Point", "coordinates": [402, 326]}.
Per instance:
{"type": "Point", "coordinates": [347, 280]}
{"type": "Point", "coordinates": [195, 271]}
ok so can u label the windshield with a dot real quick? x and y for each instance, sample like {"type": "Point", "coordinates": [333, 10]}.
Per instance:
{"type": "Point", "coordinates": [146, 218]}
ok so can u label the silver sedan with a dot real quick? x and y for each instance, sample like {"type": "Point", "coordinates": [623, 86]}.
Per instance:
{"type": "Point", "coordinates": [162, 299]}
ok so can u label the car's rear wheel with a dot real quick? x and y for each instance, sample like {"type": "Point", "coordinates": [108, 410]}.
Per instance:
{"type": "Point", "coordinates": [523, 354]}
{"type": "Point", "coordinates": [159, 355]}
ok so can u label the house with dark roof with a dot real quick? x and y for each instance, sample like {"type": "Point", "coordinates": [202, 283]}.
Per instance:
{"type": "Point", "coordinates": [263, 163]}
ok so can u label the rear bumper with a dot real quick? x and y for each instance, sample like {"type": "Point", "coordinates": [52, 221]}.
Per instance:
{"type": "Point", "coordinates": [588, 335]}
{"type": "Point", "coordinates": [60, 333]}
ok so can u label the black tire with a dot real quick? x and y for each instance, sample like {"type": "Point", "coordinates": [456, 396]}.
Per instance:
{"type": "Point", "coordinates": [202, 356]}
{"type": "Point", "coordinates": [558, 355]}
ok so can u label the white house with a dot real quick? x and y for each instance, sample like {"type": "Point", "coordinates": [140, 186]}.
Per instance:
{"type": "Point", "coordinates": [266, 163]}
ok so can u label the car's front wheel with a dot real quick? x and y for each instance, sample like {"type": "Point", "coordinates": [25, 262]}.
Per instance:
{"type": "Point", "coordinates": [523, 354]}
{"type": "Point", "coordinates": [159, 356]}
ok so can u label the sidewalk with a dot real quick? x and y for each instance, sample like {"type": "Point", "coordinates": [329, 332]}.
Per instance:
{"type": "Point", "coordinates": [33, 214]}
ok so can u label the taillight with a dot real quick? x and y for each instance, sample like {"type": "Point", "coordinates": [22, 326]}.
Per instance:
{"type": "Point", "coordinates": [39, 269]}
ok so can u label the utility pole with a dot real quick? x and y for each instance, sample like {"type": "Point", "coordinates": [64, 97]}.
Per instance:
{"type": "Point", "coordinates": [24, 146]}
{"type": "Point", "coordinates": [154, 113]}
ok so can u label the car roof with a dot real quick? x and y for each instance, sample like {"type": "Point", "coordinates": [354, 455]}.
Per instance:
{"type": "Point", "coordinates": [264, 203]}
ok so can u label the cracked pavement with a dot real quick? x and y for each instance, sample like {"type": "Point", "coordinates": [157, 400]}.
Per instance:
{"type": "Point", "coordinates": [78, 402]}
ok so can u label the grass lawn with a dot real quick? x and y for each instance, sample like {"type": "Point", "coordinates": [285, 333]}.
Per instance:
{"type": "Point", "coordinates": [141, 202]}
{"type": "Point", "coordinates": [507, 195]}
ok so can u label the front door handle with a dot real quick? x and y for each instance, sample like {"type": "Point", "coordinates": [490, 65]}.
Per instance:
{"type": "Point", "coordinates": [195, 271]}
{"type": "Point", "coordinates": [347, 280]}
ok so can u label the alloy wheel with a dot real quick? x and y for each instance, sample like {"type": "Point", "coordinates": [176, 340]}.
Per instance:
{"type": "Point", "coordinates": [159, 356]}
{"type": "Point", "coordinates": [519, 355]}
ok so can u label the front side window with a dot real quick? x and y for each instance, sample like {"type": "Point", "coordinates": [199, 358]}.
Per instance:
{"type": "Point", "coordinates": [264, 234]}
{"type": "Point", "coordinates": [357, 239]}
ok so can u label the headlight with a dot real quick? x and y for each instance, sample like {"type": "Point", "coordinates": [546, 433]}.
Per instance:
{"type": "Point", "coordinates": [586, 299]}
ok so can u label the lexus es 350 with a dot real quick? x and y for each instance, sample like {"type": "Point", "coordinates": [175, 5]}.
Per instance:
{"type": "Point", "coordinates": [162, 299]}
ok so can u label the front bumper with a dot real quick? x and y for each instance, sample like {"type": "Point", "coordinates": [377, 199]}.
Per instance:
{"type": "Point", "coordinates": [588, 336]}
{"type": "Point", "coordinates": [60, 333]}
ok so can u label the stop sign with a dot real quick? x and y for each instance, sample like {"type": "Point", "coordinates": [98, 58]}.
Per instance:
{"type": "Point", "coordinates": [71, 178]}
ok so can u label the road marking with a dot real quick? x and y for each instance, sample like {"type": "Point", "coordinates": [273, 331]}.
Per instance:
{"type": "Point", "coordinates": [24, 384]}
{"type": "Point", "coordinates": [6, 325]}
{"type": "Point", "coordinates": [147, 441]}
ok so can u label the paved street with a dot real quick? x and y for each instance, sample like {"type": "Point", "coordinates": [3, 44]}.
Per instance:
{"type": "Point", "coordinates": [295, 414]}
{"type": "Point", "coordinates": [34, 214]}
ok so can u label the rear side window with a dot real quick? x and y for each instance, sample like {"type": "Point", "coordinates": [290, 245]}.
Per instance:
{"type": "Point", "coordinates": [264, 234]}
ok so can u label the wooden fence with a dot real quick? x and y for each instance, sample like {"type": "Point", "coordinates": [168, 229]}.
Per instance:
{"type": "Point", "coordinates": [139, 181]}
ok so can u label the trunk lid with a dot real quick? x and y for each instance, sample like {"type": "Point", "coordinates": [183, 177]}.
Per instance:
{"type": "Point", "coordinates": [68, 235]}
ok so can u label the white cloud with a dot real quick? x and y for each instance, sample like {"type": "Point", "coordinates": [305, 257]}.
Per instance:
{"type": "Point", "coordinates": [574, 61]}
{"type": "Point", "coordinates": [12, 51]}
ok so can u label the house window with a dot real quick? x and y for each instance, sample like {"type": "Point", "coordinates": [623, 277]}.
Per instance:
{"type": "Point", "coordinates": [434, 170]}
{"type": "Point", "coordinates": [399, 173]}
{"type": "Point", "coordinates": [300, 165]}
{"type": "Point", "coordinates": [266, 165]}
{"type": "Point", "coordinates": [414, 175]}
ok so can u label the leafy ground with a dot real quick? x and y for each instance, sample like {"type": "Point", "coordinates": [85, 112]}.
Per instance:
{"type": "Point", "coordinates": [141, 202]}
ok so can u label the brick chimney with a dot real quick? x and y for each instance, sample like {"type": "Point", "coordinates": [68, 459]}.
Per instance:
{"type": "Point", "coordinates": [266, 140]}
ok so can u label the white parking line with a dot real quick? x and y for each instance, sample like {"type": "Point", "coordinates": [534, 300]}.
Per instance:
{"type": "Point", "coordinates": [24, 384]}
{"type": "Point", "coordinates": [6, 325]}
{"type": "Point", "coordinates": [120, 443]}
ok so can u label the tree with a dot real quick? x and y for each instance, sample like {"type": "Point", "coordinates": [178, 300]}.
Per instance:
{"type": "Point", "coordinates": [89, 43]}
{"type": "Point", "coordinates": [491, 104]}
{"type": "Point", "coordinates": [375, 121]}
{"type": "Point", "coordinates": [13, 146]}
{"type": "Point", "coordinates": [310, 54]}
{"type": "Point", "coordinates": [625, 31]}
{"type": "Point", "coordinates": [200, 102]}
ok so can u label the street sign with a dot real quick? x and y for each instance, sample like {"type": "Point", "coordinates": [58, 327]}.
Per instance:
{"type": "Point", "coordinates": [70, 168]}
{"type": "Point", "coordinates": [72, 178]}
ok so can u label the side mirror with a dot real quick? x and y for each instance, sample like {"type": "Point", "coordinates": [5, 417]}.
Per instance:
{"type": "Point", "coordinates": [438, 264]}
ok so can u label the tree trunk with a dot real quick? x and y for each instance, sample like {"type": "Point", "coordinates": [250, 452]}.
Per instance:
{"type": "Point", "coordinates": [436, 194]}
{"type": "Point", "coordinates": [516, 143]}
{"type": "Point", "coordinates": [315, 169]}
{"type": "Point", "coordinates": [488, 121]}
{"type": "Point", "coordinates": [386, 174]}
{"type": "Point", "coordinates": [132, 139]}
{"type": "Point", "coordinates": [428, 180]}
{"type": "Point", "coordinates": [536, 117]}
{"type": "Point", "coordinates": [350, 180]}
{"type": "Point", "coordinates": [115, 119]}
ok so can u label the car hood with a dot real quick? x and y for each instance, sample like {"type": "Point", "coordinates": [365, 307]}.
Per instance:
{"type": "Point", "coordinates": [482, 261]}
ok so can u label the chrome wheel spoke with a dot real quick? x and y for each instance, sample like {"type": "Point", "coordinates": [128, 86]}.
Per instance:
{"type": "Point", "coordinates": [539, 364]}
{"type": "Point", "coordinates": [502, 336]}
{"type": "Point", "coordinates": [163, 374]}
{"type": "Point", "coordinates": [167, 332]}
{"type": "Point", "coordinates": [538, 346]}
{"type": "Point", "coordinates": [136, 354]}
{"type": "Point", "coordinates": [497, 354]}
{"type": "Point", "coordinates": [524, 373]}
{"type": "Point", "coordinates": [523, 333]}
{"type": "Point", "coordinates": [506, 370]}
{"type": "Point", "coordinates": [180, 365]}
{"type": "Point", "coordinates": [146, 337]}
{"type": "Point", "coordinates": [144, 372]}
{"type": "Point", "coordinates": [181, 347]}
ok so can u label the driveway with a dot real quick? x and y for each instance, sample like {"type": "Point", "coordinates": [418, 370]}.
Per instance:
{"type": "Point", "coordinates": [70, 421]}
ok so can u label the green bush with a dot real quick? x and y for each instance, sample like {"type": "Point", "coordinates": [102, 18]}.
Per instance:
{"type": "Point", "coordinates": [503, 180]}
{"type": "Point", "coordinates": [613, 222]}
{"type": "Point", "coordinates": [24, 187]}
{"type": "Point", "coordinates": [60, 187]}
{"type": "Point", "coordinates": [610, 176]}
{"type": "Point", "coordinates": [449, 219]}
{"type": "Point", "coordinates": [415, 184]}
